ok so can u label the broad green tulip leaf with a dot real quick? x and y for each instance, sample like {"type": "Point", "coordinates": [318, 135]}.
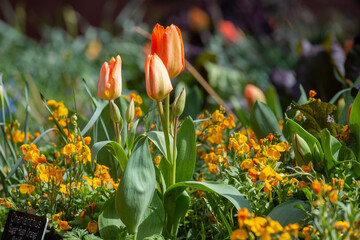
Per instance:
{"type": "Point", "coordinates": [165, 169]}
{"type": "Point", "coordinates": [272, 100]}
{"type": "Point", "coordinates": [354, 123]}
{"type": "Point", "coordinates": [318, 155]}
{"type": "Point", "coordinates": [155, 237]}
{"type": "Point", "coordinates": [318, 117]}
{"type": "Point", "coordinates": [227, 191]}
{"type": "Point", "coordinates": [99, 108]}
{"type": "Point", "coordinates": [153, 219]}
{"type": "Point", "coordinates": [114, 148]}
{"type": "Point", "coordinates": [287, 212]}
{"type": "Point", "coordinates": [176, 207]}
{"type": "Point", "coordinates": [110, 225]}
{"type": "Point", "coordinates": [338, 94]}
{"type": "Point", "coordinates": [263, 121]}
{"type": "Point", "coordinates": [331, 148]}
{"type": "Point", "coordinates": [157, 137]}
{"type": "Point", "coordinates": [137, 186]}
{"type": "Point", "coordinates": [131, 137]}
{"type": "Point", "coordinates": [186, 151]}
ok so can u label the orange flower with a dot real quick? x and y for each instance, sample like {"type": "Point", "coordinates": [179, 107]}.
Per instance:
{"type": "Point", "coordinates": [312, 93]}
{"type": "Point", "coordinates": [64, 225]}
{"type": "Point", "coordinates": [92, 227]}
{"type": "Point", "coordinates": [316, 186]}
{"type": "Point", "coordinates": [228, 30]}
{"type": "Point", "coordinates": [253, 93]}
{"type": "Point", "coordinates": [239, 234]}
{"type": "Point", "coordinates": [168, 45]}
{"type": "Point", "coordinates": [109, 84]}
{"type": "Point", "coordinates": [158, 84]}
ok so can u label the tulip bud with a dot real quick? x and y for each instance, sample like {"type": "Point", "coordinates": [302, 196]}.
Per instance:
{"type": "Point", "coordinates": [253, 93]}
{"type": "Point", "coordinates": [179, 103]}
{"type": "Point", "coordinates": [130, 112]}
{"type": "Point", "coordinates": [301, 149]}
{"type": "Point", "coordinates": [168, 45]}
{"type": "Point", "coordinates": [109, 84]}
{"type": "Point", "coordinates": [158, 84]}
{"type": "Point", "coordinates": [114, 112]}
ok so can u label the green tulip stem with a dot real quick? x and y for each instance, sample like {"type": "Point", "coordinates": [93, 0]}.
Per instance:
{"type": "Point", "coordinates": [164, 116]}
{"type": "Point", "coordinates": [174, 146]}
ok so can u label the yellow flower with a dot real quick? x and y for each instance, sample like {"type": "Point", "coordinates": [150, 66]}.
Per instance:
{"type": "Point", "coordinates": [63, 189]}
{"type": "Point", "coordinates": [341, 226]}
{"type": "Point", "coordinates": [285, 236]}
{"type": "Point", "coordinates": [333, 196]}
{"type": "Point", "coordinates": [92, 227]}
{"type": "Point", "coordinates": [247, 164]}
{"type": "Point", "coordinates": [68, 149]}
{"type": "Point", "coordinates": [267, 187]}
{"type": "Point", "coordinates": [157, 160]}
{"type": "Point", "coordinates": [212, 168]}
{"type": "Point", "coordinates": [87, 140]}
{"type": "Point", "coordinates": [239, 234]}
{"type": "Point", "coordinates": [26, 188]}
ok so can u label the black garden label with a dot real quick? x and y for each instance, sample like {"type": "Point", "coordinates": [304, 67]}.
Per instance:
{"type": "Point", "coordinates": [24, 226]}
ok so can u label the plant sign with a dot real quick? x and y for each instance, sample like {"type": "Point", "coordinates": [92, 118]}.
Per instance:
{"type": "Point", "coordinates": [24, 226]}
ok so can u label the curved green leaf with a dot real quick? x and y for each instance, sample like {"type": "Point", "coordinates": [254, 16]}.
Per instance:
{"type": "Point", "coordinates": [263, 121]}
{"type": "Point", "coordinates": [331, 148]}
{"type": "Point", "coordinates": [114, 148]}
{"type": "Point", "coordinates": [157, 137]}
{"type": "Point", "coordinates": [309, 139]}
{"type": "Point", "coordinates": [354, 123]}
{"type": "Point", "coordinates": [110, 225]}
{"type": "Point", "coordinates": [288, 212]}
{"type": "Point", "coordinates": [136, 188]}
{"type": "Point", "coordinates": [186, 151]}
{"type": "Point", "coordinates": [227, 191]}
{"type": "Point", "coordinates": [99, 108]}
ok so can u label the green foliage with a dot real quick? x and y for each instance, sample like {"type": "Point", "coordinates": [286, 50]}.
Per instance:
{"type": "Point", "coordinates": [318, 116]}
{"type": "Point", "coordinates": [136, 188]}
{"type": "Point", "coordinates": [186, 151]}
{"type": "Point", "coordinates": [289, 212]}
{"type": "Point", "coordinates": [263, 121]}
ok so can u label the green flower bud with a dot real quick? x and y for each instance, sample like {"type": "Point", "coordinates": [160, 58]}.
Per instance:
{"type": "Point", "coordinates": [179, 103]}
{"type": "Point", "coordinates": [301, 149]}
{"type": "Point", "coordinates": [114, 112]}
{"type": "Point", "coordinates": [130, 112]}
{"type": "Point", "coordinates": [74, 119]}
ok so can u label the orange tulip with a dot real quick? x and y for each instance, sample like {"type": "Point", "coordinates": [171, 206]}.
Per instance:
{"type": "Point", "coordinates": [168, 45]}
{"type": "Point", "coordinates": [158, 84]}
{"type": "Point", "coordinates": [109, 84]}
{"type": "Point", "coordinates": [253, 93]}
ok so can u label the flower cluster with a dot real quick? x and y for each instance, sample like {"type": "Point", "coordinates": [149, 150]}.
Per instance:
{"type": "Point", "coordinates": [265, 228]}
{"type": "Point", "coordinates": [259, 158]}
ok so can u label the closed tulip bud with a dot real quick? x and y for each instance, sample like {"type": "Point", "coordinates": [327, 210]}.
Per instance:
{"type": "Point", "coordinates": [301, 149]}
{"type": "Point", "coordinates": [179, 103]}
{"type": "Point", "coordinates": [109, 84]}
{"type": "Point", "coordinates": [253, 93]}
{"type": "Point", "coordinates": [168, 45]}
{"type": "Point", "coordinates": [114, 112]}
{"type": "Point", "coordinates": [130, 112]}
{"type": "Point", "coordinates": [158, 84]}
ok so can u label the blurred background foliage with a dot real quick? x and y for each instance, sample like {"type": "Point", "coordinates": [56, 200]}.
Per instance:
{"type": "Point", "coordinates": [276, 45]}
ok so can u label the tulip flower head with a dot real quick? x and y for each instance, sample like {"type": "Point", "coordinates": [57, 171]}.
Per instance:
{"type": "Point", "coordinates": [158, 84]}
{"type": "Point", "coordinates": [109, 84]}
{"type": "Point", "coordinates": [168, 45]}
{"type": "Point", "coordinates": [253, 93]}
